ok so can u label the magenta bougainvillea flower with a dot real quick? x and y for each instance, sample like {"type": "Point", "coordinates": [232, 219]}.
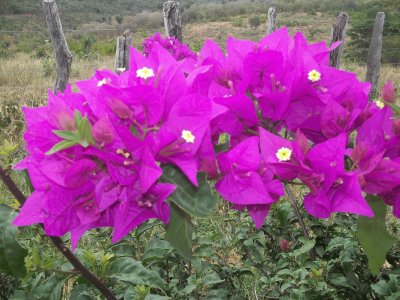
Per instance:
{"type": "Point", "coordinates": [97, 160]}
{"type": "Point", "coordinates": [246, 182]}
{"type": "Point", "coordinates": [332, 189]}
{"type": "Point", "coordinates": [173, 45]}
{"type": "Point", "coordinates": [388, 92]}
{"type": "Point", "coordinates": [375, 157]}
{"type": "Point", "coordinates": [280, 113]}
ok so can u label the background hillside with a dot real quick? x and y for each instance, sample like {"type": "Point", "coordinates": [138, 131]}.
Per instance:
{"type": "Point", "coordinates": [92, 26]}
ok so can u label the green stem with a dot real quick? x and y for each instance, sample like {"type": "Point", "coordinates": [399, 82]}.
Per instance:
{"type": "Point", "coordinates": [300, 218]}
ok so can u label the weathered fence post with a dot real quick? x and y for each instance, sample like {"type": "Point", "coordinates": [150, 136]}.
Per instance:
{"type": "Point", "coordinates": [63, 55]}
{"type": "Point", "coordinates": [374, 53]}
{"type": "Point", "coordinates": [338, 34]}
{"type": "Point", "coordinates": [172, 20]}
{"type": "Point", "coordinates": [271, 21]}
{"type": "Point", "coordinates": [122, 55]}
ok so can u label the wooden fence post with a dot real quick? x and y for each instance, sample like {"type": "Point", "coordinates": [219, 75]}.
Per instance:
{"type": "Point", "coordinates": [172, 20]}
{"type": "Point", "coordinates": [374, 53]}
{"type": "Point", "coordinates": [271, 21]}
{"type": "Point", "coordinates": [122, 55]}
{"type": "Point", "coordinates": [62, 53]}
{"type": "Point", "coordinates": [338, 34]}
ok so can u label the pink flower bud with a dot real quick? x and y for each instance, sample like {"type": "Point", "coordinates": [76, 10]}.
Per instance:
{"type": "Point", "coordinates": [396, 126]}
{"type": "Point", "coordinates": [66, 122]}
{"type": "Point", "coordinates": [120, 109]}
{"type": "Point", "coordinates": [285, 245]}
{"type": "Point", "coordinates": [102, 131]}
{"type": "Point", "coordinates": [388, 94]}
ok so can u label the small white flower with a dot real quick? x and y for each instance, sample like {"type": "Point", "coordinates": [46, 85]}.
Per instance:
{"type": "Point", "coordinates": [121, 70]}
{"type": "Point", "coordinates": [145, 73]}
{"type": "Point", "coordinates": [380, 104]}
{"type": "Point", "coordinates": [188, 136]}
{"type": "Point", "coordinates": [101, 82]}
{"type": "Point", "coordinates": [284, 154]}
{"type": "Point", "coordinates": [314, 76]}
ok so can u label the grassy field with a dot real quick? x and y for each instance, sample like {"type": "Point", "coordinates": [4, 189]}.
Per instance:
{"type": "Point", "coordinates": [24, 81]}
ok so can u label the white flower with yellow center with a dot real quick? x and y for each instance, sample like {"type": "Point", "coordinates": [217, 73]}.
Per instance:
{"type": "Point", "coordinates": [314, 76]}
{"type": "Point", "coordinates": [283, 154]}
{"type": "Point", "coordinates": [188, 136]}
{"type": "Point", "coordinates": [145, 73]}
{"type": "Point", "coordinates": [102, 82]}
{"type": "Point", "coordinates": [380, 104]}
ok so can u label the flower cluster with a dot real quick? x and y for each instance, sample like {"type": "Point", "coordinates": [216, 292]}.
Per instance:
{"type": "Point", "coordinates": [96, 156]}
{"type": "Point", "coordinates": [173, 45]}
{"type": "Point", "coordinates": [284, 87]}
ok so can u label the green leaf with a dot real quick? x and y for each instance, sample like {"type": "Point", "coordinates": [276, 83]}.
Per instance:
{"type": "Point", "coordinates": [335, 243]}
{"type": "Point", "coordinates": [198, 202]}
{"type": "Point", "coordinates": [339, 280]}
{"type": "Point", "coordinates": [373, 235]}
{"type": "Point", "coordinates": [81, 292]}
{"type": "Point", "coordinates": [382, 288]}
{"type": "Point", "coordinates": [212, 278]}
{"type": "Point", "coordinates": [189, 288]}
{"type": "Point", "coordinates": [131, 293]}
{"type": "Point", "coordinates": [66, 135]}
{"type": "Point", "coordinates": [156, 297]}
{"type": "Point", "coordinates": [204, 251]}
{"type": "Point", "coordinates": [283, 211]}
{"type": "Point", "coordinates": [179, 231]}
{"type": "Point", "coordinates": [244, 271]}
{"type": "Point", "coordinates": [51, 290]}
{"type": "Point", "coordinates": [123, 249]}
{"type": "Point", "coordinates": [222, 147]}
{"type": "Point", "coordinates": [12, 255]}
{"type": "Point", "coordinates": [157, 250]}
{"type": "Point", "coordinates": [19, 295]}
{"type": "Point", "coordinates": [78, 118]}
{"type": "Point", "coordinates": [148, 225]}
{"type": "Point", "coordinates": [134, 131]}
{"type": "Point", "coordinates": [6, 149]}
{"type": "Point", "coordinates": [219, 294]}
{"type": "Point", "coordinates": [395, 107]}
{"type": "Point", "coordinates": [129, 270]}
{"type": "Point", "coordinates": [61, 146]}
{"type": "Point", "coordinates": [307, 246]}
{"type": "Point", "coordinates": [85, 132]}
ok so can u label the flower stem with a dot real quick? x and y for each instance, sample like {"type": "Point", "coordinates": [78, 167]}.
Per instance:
{"type": "Point", "coordinates": [60, 245]}
{"type": "Point", "coordinates": [300, 218]}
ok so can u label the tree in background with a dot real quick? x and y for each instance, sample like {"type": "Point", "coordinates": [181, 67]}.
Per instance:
{"type": "Point", "coordinates": [119, 20]}
{"type": "Point", "coordinates": [362, 24]}
{"type": "Point", "coordinates": [255, 21]}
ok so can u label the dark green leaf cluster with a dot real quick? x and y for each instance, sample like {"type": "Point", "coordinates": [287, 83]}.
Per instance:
{"type": "Point", "coordinates": [229, 259]}
{"type": "Point", "coordinates": [360, 32]}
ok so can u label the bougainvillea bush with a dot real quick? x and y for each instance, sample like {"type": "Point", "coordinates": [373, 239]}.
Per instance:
{"type": "Point", "coordinates": [256, 123]}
